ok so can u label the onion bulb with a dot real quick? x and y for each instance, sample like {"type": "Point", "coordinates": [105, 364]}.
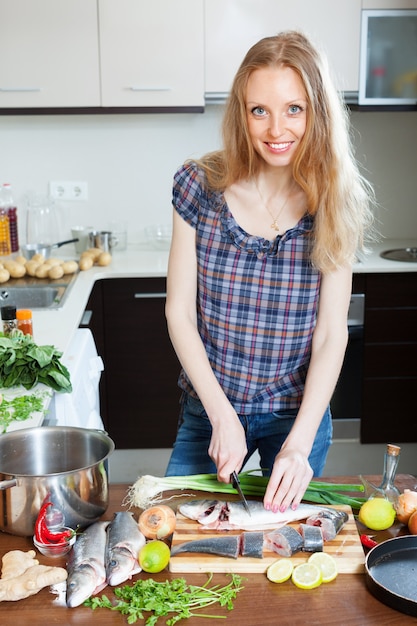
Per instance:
{"type": "Point", "coordinates": [157, 522]}
{"type": "Point", "coordinates": [406, 505]}
{"type": "Point", "coordinates": [412, 523]}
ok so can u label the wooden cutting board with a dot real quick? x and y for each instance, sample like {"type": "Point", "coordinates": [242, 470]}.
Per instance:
{"type": "Point", "coordinates": [346, 548]}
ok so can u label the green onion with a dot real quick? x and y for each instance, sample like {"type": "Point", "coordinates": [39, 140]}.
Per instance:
{"type": "Point", "coordinates": [148, 490]}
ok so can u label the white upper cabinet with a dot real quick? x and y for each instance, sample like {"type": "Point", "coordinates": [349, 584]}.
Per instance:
{"type": "Point", "coordinates": [49, 54]}
{"type": "Point", "coordinates": [233, 26]}
{"type": "Point", "coordinates": [152, 53]}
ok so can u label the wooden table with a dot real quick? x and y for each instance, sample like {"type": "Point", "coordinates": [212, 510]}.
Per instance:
{"type": "Point", "coordinates": [344, 601]}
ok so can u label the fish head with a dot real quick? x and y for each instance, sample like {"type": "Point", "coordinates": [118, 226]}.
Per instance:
{"type": "Point", "coordinates": [81, 584]}
{"type": "Point", "coordinates": [120, 566]}
{"type": "Point", "coordinates": [200, 509]}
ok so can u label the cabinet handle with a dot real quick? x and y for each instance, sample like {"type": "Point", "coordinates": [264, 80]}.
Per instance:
{"type": "Point", "coordinates": [137, 88]}
{"type": "Point", "coordinates": [19, 89]}
{"type": "Point", "coordinates": [159, 294]}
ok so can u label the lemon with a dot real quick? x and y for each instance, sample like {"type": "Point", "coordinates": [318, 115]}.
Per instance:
{"type": "Point", "coordinates": [280, 571]}
{"type": "Point", "coordinates": [154, 556]}
{"type": "Point", "coordinates": [306, 576]}
{"type": "Point", "coordinates": [327, 565]}
{"type": "Point", "coordinates": [377, 514]}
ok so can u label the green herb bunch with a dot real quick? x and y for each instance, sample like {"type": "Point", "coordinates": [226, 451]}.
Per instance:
{"type": "Point", "coordinates": [23, 362]}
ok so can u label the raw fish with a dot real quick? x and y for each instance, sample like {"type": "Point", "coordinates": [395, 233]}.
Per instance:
{"type": "Point", "coordinates": [285, 541]}
{"type": "Point", "coordinates": [124, 540]}
{"type": "Point", "coordinates": [252, 544]}
{"type": "Point", "coordinates": [312, 538]}
{"type": "Point", "coordinates": [222, 546]}
{"type": "Point", "coordinates": [330, 521]}
{"type": "Point", "coordinates": [86, 570]}
{"type": "Point", "coordinates": [221, 515]}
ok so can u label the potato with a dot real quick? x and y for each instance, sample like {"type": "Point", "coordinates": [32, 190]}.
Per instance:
{"type": "Point", "coordinates": [21, 259]}
{"type": "Point", "coordinates": [38, 257]}
{"type": "Point", "coordinates": [104, 259]}
{"type": "Point", "coordinates": [86, 263]}
{"type": "Point", "coordinates": [42, 271]}
{"type": "Point", "coordinates": [31, 267]}
{"type": "Point", "coordinates": [93, 252]}
{"type": "Point", "coordinates": [70, 267]}
{"type": "Point", "coordinates": [55, 272]}
{"type": "Point", "coordinates": [4, 276]}
{"type": "Point", "coordinates": [16, 270]}
{"type": "Point", "coordinates": [53, 261]}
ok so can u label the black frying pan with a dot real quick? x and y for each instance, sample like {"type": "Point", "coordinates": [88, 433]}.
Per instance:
{"type": "Point", "coordinates": [391, 573]}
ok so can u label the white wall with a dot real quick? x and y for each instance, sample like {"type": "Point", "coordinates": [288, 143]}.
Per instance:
{"type": "Point", "coordinates": [129, 160]}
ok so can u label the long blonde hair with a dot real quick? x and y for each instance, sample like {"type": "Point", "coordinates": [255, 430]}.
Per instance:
{"type": "Point", "coordinates": [338, 196]}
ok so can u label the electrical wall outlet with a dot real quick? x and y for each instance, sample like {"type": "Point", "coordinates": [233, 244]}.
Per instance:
{"type": "Point", "coordinates": [69, 190]}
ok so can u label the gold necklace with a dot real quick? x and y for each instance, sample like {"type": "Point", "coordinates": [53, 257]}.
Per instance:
{"type": "Point", "coordinates": [274, 224]}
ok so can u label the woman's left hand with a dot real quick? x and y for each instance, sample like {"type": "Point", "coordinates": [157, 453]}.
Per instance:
{"type": "Point", "coordinates": [289, 480]}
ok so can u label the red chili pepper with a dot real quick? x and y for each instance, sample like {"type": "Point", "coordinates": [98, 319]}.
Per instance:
{"type": "Point", "coordinates": [43, 534]}
{"type": "Point", "coordinates": [368, 542]}
{"type": "Point", "coordinates": [40, 521]}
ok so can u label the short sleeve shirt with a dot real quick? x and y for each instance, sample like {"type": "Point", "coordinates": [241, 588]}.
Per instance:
{"type": "Point", "coordinates": [256, 300]}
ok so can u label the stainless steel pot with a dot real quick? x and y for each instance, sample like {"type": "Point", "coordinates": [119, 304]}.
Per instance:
{"type": "Point", "coordinates": [65, 465]}
{"type": "Point", "coordinates": [30, 249]}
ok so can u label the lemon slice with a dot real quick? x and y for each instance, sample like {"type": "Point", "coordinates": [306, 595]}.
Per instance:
{"type": "Point", "coordinates": [327, 565]}
{"type": "Point", "coordinates": [306, 576]}
{"type": "Point", "coordinates": [280, 571]}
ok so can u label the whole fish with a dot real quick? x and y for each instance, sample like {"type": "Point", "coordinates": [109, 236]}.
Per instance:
{"type": "Point", "coordinates": [86, 570]}
{"type": "Point", "coordinates": [124, 540]}
{"type": "Point", "coordinates": [221, 515]}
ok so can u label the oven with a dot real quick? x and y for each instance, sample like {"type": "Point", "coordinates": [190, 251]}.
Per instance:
{"type": "Point", "coordinates": [347, 398]}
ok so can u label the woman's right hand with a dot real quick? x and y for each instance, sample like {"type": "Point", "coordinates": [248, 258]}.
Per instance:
{"type": "Point", "coordinates": [228, 447]}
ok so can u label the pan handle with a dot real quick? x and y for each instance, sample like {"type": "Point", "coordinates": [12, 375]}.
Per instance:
{"type": "Point", "coordinates": [6, 484]}
{"type": "Point", "coordinates": [62, 243]}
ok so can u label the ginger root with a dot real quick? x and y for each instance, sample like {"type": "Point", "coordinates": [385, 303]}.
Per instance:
{"type": "Point", "coordinates": [16, 562]}
{"type": "Point", "coordinates": [31, 578]}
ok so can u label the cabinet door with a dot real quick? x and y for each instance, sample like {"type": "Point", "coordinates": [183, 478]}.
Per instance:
{"type": "Point", "coordinates": [151, 53]}
{"type": "Point", "coordinates": [141, 367]}
{"type": "Point", "coordinates": [233, 26]}
{"type": "Point", "coordinates": [390, 364]}
{"type": "Point", "coordinates": [49, 53]}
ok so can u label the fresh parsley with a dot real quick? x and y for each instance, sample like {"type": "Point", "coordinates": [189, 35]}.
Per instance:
{"type": "Point", "coordinates": [163, 598]}
{"type": "Point", "coordinates": [20, 408]}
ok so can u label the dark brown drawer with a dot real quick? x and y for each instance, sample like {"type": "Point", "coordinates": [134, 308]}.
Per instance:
{"type": "Point", "coordinates": [395, 289]}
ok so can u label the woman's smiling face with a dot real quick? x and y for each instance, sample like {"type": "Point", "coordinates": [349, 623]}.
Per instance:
{"type": "Point", "coordinates": [276, 109]}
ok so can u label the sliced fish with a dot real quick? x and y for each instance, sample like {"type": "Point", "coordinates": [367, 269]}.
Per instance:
{"type": "Point", "coordinates": [124, 540]}
{"type": "Point", "coordinates": [221, 515]}
{"type": "Point", "coordinates": [222, 546]}
{"type": "Point", "coordinates": [312, 538]}
{"type": "Point", "coordinates": [252, 544]}
{"type": "Point", "coordinates": [86, 569]}
{"type": "Point", "coordinates": [285, 541]}
{"type": "Point", "coordinates": [331, 521]}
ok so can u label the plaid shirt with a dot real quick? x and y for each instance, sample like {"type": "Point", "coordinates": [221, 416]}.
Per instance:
{"type": "Point", "coordinates": [256, 304]}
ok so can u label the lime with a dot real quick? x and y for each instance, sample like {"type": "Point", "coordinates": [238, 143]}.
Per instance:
{"type": "Point", "coordinates": [154, 556]}
{"type": "Point", "coordinates": [280, 571]}
{"type": "Point", "coordinates": [306, 576]}
{"type": "Point", "coordinates": [327, 565]}
{"type": "Point", "coordinates": [377, 514]}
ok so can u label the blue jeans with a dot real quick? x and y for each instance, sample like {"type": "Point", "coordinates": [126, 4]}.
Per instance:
{"type": "Point", "coordinates": [265, 432]}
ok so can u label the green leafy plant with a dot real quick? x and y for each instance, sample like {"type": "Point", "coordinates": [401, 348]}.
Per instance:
{"type": "Point", "coordinates": [175, 597]}
{"type": "Point", "coordinates": [23, 362]}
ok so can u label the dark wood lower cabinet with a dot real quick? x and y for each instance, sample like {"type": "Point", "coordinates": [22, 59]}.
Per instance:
{"type": "Point", "coordinates": [389, 398]}
{"type": "Point", "coordinates": [139, 394]}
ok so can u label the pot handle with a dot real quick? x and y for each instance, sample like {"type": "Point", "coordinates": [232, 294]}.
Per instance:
{"type": "Point", "coordinates": [6, 484]}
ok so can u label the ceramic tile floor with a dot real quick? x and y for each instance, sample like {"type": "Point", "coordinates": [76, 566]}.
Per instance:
{"type": "Point", "coordinates": [346, 457]}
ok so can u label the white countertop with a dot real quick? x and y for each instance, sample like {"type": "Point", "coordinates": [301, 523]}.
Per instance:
{"type": "Point", "coordinates": [56, 327]}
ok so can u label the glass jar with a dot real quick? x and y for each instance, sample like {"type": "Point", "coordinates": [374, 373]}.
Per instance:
{"type": "Point", "coordinates": [24, 321]}
{"type": "Point", "coordinates": [8, 316]}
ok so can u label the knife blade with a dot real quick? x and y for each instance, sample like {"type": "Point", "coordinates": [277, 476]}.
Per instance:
{"type": "Point", "coordinates": [236, 485]}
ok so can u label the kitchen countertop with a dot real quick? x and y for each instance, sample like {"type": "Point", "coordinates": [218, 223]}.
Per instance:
{"type": "Point", "coordinates": [346, 600]}
{"type": "Point", "coordinates": [56, 327]}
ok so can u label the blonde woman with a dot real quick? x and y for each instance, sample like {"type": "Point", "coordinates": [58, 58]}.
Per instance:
{"type": "Point", "coordinates": [265, 232]}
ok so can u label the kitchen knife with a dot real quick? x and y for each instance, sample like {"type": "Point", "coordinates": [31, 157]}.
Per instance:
{"type": "Point", "coordinates": [236, 484]}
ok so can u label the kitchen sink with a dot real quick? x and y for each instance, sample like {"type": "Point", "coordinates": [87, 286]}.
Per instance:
{"type": "Point", "coordinates": [408, 255]}
{"type": "Point", "coordinates": [31, 293]}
